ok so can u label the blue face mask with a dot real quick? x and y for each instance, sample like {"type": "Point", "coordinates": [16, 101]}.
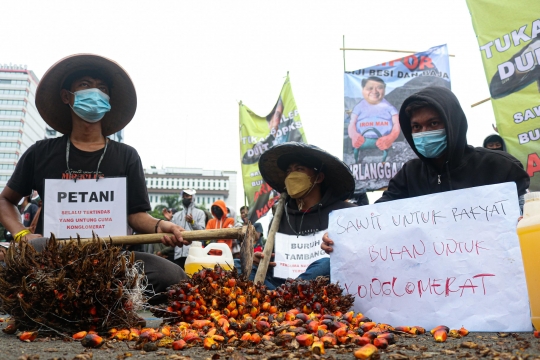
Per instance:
{"type": "Point", "coordinates": [431, 144]}
{"type": "Point", "coordinates": [91, 105]}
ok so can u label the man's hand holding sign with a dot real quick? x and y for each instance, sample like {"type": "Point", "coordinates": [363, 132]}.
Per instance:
{"type": "Point", "coordinates": [451, 258]}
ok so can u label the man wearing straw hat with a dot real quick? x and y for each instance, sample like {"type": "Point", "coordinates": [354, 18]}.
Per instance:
{"type": "Point", "coordinates": [316, 183]}
{"type": "Point", "coordinates": [88, 97]}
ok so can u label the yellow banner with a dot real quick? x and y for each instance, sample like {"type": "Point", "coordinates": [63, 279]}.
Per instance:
{"type": "Point", "coordinates": [508, 33]}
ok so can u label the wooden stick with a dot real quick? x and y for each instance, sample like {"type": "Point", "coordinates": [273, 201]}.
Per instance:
{"type": "Point", "coordinates": [387, 50]}
{"type": "Point", "coordinates": [246, 251]}
{"type": "Point", "coordinates": [231, 233]}
{"type": "Point", "coordinates": [269, 246]}
{"type": "Point", "coordinates": [480, 102]}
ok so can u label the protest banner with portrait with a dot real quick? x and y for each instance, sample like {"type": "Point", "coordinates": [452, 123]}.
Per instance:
{"type": "Point", "coordinates": [373, 145]}
{"type": "Point", "coordinates": [258, 134]}
{"type": "Point", "coordinates": [449, 258]}
{"type": "Point", "coordinates": [510, 51]}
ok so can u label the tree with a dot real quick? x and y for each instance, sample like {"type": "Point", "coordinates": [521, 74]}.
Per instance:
{"type": "Point", "coordinates": [171, 201]}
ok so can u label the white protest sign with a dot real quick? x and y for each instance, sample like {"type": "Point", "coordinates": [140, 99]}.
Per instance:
{"type": "Point", "coordinates": [451, 258]}
{"type": "Point", "coordinates": [82, 206]}
{"type": "Point", "coordinates": [295, 253]}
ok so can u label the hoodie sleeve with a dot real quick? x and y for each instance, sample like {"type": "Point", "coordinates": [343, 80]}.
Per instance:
{"type": "Point", "coordinates": [397, 187]}
{"type": "Point", "coordinates": [199, 223]}
{"type": "Point", "coordinates": [517, 174]}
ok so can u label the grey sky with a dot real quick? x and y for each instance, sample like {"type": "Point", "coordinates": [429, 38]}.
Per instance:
{"type": "Point", "coordinates": [191, 61]}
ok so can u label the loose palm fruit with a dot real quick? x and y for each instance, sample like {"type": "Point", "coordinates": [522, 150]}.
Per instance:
{"type": "Point", "coordinates": [11, 328]}
{"type": "Point", "coordinates": [360, 340]}
{"type": "Point", "coordinates": [199, 324]}
{"type": "Point", "coordinates": [121, 335]}
{"type": "Point", "coordinates": [262, 326]}
{"type": "Point", "coordinates": [420, 329]}
{"type": "Point", "coordinates": [440, 327]}
{"type": "Point", "coordinates": [305, 339]}
{"type": "Point", "coordinates": [366, 351]}
{"type": "Point", "coordinates": [405, 329]}
{"type": "Point", "coordinates": [340, 332]}
{"type": "Point", "coordinates": [463, 331]}
{"type": "Point", "coordinates": [210, 344]}
{"type": "Point", "coordinates": [191, 337]}
{"type": "Point", "coordinates": [329, 339]}
{"type": "Point", "coordinates": [92, 341]}
{"type": "Point", "coordinates": [179, 344]}
{"type": "Point", "coordinates": [255, 338]}
{"type": "Point", "coordinates": [317, 348]}
{"type": "Point", "coordinates": [388, 337]}
{"type": "Point", "coordinates": [536, 334]}
{"type": "Point", "coordinates": [368, 326]}
{"type": "Point", "coordinates": [246, 337]}
{"type": "Point", "coordinates": [211, 332]}
{"type": "Point", "coordinates": [79, 335]}
{"type": "Point", "coordinates": [453, 333]}
{"type": "Point", "coordinates": [440, 335]}
{"type": "Point", "coordinates": [380, 343]}
{"type": "Point", "coordinates": [28, 336]}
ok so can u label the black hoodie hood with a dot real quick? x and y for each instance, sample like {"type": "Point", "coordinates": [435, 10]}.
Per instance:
{"type": "Point", "coordinates": [493, 138]}
{"type": "Point", "coordinates": [455, 121]}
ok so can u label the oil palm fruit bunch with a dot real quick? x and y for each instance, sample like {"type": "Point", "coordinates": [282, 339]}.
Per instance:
{"type": "Point", "coordinates": [319, 296]}
{"type": "Point", "coordinates": [70, 286]}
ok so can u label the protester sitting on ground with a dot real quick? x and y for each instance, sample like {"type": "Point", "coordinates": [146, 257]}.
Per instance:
{"type": "Point", "coordinates": [316, 182]}
{"type": "Point", "coordinates": [220, 220]}
{"type": "Point", "coordinates": [435, 127]}
{"type": "Point", "coordinates": [88, 97]}
{"type": "Point", "coordinates": [190, 218]}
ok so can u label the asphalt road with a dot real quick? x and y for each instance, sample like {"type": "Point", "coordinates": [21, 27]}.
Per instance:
{"type": "Point", "coordinates": [475, 345]}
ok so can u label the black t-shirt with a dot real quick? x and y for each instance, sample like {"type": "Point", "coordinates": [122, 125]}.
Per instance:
{"type": "Point", "coordinates": [46, 159]}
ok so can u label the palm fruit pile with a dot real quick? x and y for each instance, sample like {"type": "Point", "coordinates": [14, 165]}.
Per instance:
{"type": "Point", "coordinates": [211, 290]}
{"type": "Point", "coordinates": [69, 286]}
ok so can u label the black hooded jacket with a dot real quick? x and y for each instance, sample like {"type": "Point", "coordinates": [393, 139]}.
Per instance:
{"type": "Point", "coordinates": [296, 222]}
{"type": "Point", "coordinates": [493, 138]}
{"type": "Point", "coordinates": [465, 165]}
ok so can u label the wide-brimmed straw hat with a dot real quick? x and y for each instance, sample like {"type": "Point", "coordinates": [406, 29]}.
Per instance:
{"type": "Point", "coordinates": [273, 165]}
{"type": "Point", "coordinates": [58, 115]}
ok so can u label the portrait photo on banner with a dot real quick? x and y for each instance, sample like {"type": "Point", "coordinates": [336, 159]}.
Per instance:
{"type": "Point", "coordinates": [373, 145]}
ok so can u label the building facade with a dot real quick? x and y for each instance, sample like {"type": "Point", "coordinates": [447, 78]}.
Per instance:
{"type": "Point", "coordinates": [211, 185]}
{"type": "Point", "coordinates": [20, 123]}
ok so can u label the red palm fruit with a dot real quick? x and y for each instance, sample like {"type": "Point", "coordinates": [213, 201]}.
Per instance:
{"type": "Point", "coordinates": [192, 337]}
{"type": "Point", "coordinates": [92, 311]}
{"type": "Point", "coordinates": [313, 326]}
{"type": "Point", "coordinates": [360, 340]}
{"type": "Point", "coordinates": [329, 339]}
{"type": "Point", "coordinates": [215, 304]}
{"type": "Point", "coordinates": [453, 333]}
{"type": "Point", "coordinates": [367, 326]}
{"type": "Point", "coordinates": [349, 316]}
{"type": "Point", "coordinates": [321, 332]}
{"type": "Point", "coordinates": [231, 333]}
{"type": "Point", "coordinates": [234, 313]}
{"type": "Point", "coordinates": [380, 343]}
{"type": "Point", "coordinates": [305, 339]}
{"type": "Point", "coordinates": [210, 344]}
{"type": "Point", "coordinates": [241, 300]}
{"type": "Point", "coordinates": [317, 348]}
{"type": "Point", "coordinates": [179, 344]}
{"type": "Point", "coordinates": [366, 351]}
{"type": "Point", "coordinates": [232, 340]}
{"type": "Point", "coordinates": [226, 312]}
{"type": "Point", "coordinates": [420, 329]}
{"type": "Point", "coordinates": [371, 335]}
{"type": "Point", "coordinates": [289, 316]}
{"type": "Point", "coordinates": [224, 324]}
{"type": "Point", "coordinates": [28, 336]}
{"type": "Point", "coordinates": [440, 327]}
{"type": "Point", "coordinates": [317, 307]}
{"type": "Point", "coordinates": [267, 337]}
{"type": "Point", "coordinates": [121, 335]}
{"type": "Point", "coordinates": [303, 317]}
{"type": "Point", "coordinates": [246, 337]}
{"type": "Point", "coordinates": [254, 311]}
{"type": "Point", "coordinates": [463, 331]}
{"type": "Point", "coordinates": [232, 305]}
{"type": "Point", "coordinates": [262, 326]}
{"type": "Point", "coordinates": [255, 338]}
{"type": "Point", "coordinates": [340, 332]}
{"type": "Point", "coordinates": [231, 282]}
{"type": "Point", "coordinates": [133, 335]}
{"type": "Point", "coordinates": [166, 330]}
{"type": "Point", "coordinates": [389, 337]}
{"type": "Point", "coordinates": [273, 309]}
{"type": "Point", "coordinates": [536, 334]}
{"type": "Point", "coordinates": [266, 306]}
{"type": "Point", "coordinates": [79, 335]}
{"type": "Point", "coordinates": [343, 339]}
{"type": "Point", "coordinates": [440, 335]}
{"type": "Point", "coordinates": [92, 341]}
{"type": "Point", "coordinates": [255, 302]}
{"type": "Point", "coordinates": [405, 329]}
{"type": "Point", "coordinates": [211, 332]}
{"type": "Point", "coordinates": [306, 309]}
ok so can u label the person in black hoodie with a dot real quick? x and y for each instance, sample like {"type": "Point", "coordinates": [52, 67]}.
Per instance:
{"type": "Point", "coordinates": [316, 183]}
{"type": "Point", "coordinates": [435, 127]}
{"type": "Point", "coordinates": [494, 142]}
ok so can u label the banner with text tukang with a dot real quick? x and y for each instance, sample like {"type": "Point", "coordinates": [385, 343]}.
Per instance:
{"type": "Point", "coordinates": [258, 134]}
{"type": "Point", "coordinates": [510, 51]}
{"type": "Point", "coordinates": [373, 145]}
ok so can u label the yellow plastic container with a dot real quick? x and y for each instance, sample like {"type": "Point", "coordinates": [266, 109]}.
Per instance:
{"type": "Point", "coordinates": [199, 258]}
{"type": "Point", "coordinates": [529, 238]}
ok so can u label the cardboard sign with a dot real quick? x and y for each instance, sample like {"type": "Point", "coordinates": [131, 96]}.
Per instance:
{"type": "Point", "coordinates": [82, 206]}
{"type": "Point", "coordinates": [450, 258]}
{"type": "Point", "coordinates": [295, 253]}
